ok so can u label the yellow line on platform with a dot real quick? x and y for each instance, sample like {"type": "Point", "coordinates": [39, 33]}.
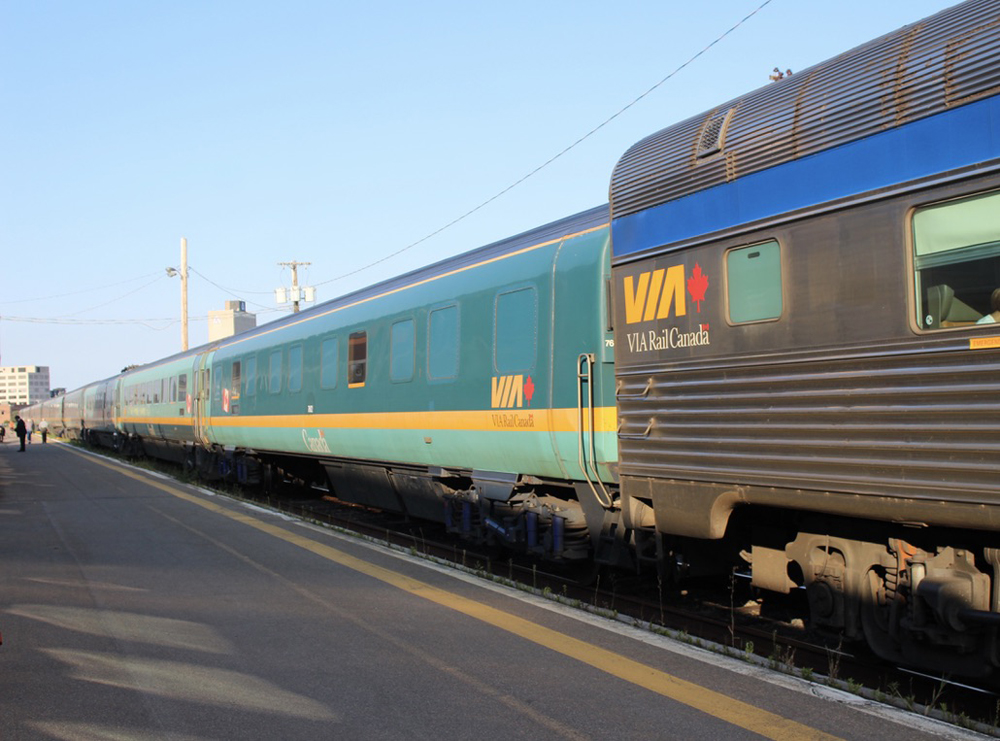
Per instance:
{"type": "Point", "coordinates": [716, 704]}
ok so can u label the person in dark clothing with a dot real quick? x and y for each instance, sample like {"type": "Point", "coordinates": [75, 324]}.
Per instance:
{"type": "Point", "coordinates": [21, 430]}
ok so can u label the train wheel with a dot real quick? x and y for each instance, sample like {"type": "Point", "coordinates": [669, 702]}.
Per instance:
{"type": "Point", "coordinates": [877, 618]}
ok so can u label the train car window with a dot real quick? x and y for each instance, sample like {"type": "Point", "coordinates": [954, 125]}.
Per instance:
{"type": "Point", "coordinates": [401, 351]}
{"type": "Point", "coordinates": [956, 259]}
{"type": "Point", "coordinates": [217, 388]}
{"type": "Point", "coordinates": [251, 389]}
{"type": "Point", "coordinates": [274, 372]}
{"type": "Point", "coordinates": [442, 343]}
{"type": "Point", "coordinates": [516, 330]}
{"type": "Point", "coordinates": [295, 368]}
{"type": "Point", "coordinates": [329, 357]}
{"type": "Point", "coordinates": [753, 283]}
{"type": "Point", "coordinates": [173, 388]}
{"type": "Point", "coordinates": [357, 359]}
{"type": "Point", "coordinates": [182, 385]}
{"type": "Point", "coordinates": [236, 379]}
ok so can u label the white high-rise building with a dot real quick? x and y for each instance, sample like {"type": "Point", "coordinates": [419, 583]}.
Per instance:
{"type": "Point", "coordinates": [24, 384]}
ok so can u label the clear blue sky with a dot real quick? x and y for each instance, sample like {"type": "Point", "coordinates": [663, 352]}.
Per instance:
{"type": "Point", "coordinates": [334, 133]}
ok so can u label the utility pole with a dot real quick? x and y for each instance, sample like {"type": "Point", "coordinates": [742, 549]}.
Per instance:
{"type": "Point", "coordinates": [183, 273]}
{"type": "Point", "coordinates": [296, 294]}
{"type": "Point", "coordinates": [184, 293]}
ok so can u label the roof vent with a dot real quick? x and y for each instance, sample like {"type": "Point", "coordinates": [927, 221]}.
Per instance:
{"type": "Point", "coordinates": [713, 134]}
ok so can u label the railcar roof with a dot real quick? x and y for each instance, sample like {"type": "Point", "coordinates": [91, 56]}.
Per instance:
{"type": "Point", "coordinates": [555, 230]}
{"type": "Point", "coordinates": [942, 62]}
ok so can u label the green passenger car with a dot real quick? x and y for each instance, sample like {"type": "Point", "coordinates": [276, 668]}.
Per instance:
{"type": "Point", "coordinates": [479, 387]}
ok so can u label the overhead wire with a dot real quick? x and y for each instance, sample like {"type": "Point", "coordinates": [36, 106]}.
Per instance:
{"type": "Point", "coordinates": [73, 321]}
{"type": "Point", "coordinates": [551, 159]}
{"type": "Point", "coordinates": [68, 319]}
{"type": "Point", "coordinates": [77, 293]}
{"type": "Point", "coordinates": [161, 276]}
{"type": "Point", "coordinates": [234, 293]}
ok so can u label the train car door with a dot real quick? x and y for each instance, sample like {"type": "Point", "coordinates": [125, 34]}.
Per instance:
{"type": "Point", "coordinates": [583, 359]}
{"type": "Point", "coordinates": [202, 411]}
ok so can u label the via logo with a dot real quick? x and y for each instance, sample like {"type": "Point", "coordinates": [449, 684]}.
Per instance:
{"type": "Point", "coordinates": [651, 295]}
{"type": "Point", "coordinates": [510, 392]}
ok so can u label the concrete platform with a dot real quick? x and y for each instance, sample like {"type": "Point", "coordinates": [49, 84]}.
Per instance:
{"type": "Point", "coordinates": [134, 607]}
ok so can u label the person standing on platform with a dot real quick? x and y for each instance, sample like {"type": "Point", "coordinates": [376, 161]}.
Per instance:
{"type": "Point", "coordinates": [21, 430]}
{"type": "Point", "coordinates": [43, 427]}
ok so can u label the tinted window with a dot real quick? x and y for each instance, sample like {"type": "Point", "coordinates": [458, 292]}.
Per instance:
{"type": "Point", "coordinates": [516, 330]}
{"type": "Point", "coordinates": [295, 368]}
{"type": "Point", "coordinates": [442, 343]}
{"type": "Point", "coordinates": [251, 379]}
{"type": "Point", "coordinates": [357, 359]}
{"type": "Point", "coordinates": [329, 353]}
{"type": "Point", "coordinates": [753, 281]}
{"type": "Point", "coordinates": [956, 255]}
{"type": "Point", "coordinates": [401, 351]}
{"type": "Point", "coordinates": [274, 372]}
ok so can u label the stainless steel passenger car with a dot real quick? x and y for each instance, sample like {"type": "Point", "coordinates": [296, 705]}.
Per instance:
{"type": "Point", "coordinates": [798, 277]}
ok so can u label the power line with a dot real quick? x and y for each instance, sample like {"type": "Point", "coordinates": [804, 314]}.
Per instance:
{"type": "Point", "coordinates": [231, 291]}
{"type": "Point", "coordinates": [234, 293]}
{"type": "Point", "coordinates": [160, 276]}
{"type": "Point", "coordinates": [77, 293]}
{"type": "Point", "coordinates": [72, 321]}
{"type": "Point", "coordinates": [551, 159]}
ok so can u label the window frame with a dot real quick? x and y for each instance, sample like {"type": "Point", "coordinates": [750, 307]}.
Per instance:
{"type": "Point", "coordinates": [938, 259]}
{"type": "Point", "coordinates": [761, 319]}
{"type": "Point", "coordinates": [251, 376]}
{"type": "Point", "coordinates": [275, 374]}
{"type": "Point", "coordinates": [356, 362]}
{"type": "Point", "coordinates": [295, 380]}
{"type": "Point", "coordinates": [324, 377]}
{"type": "Point", "coordinates": [431, 354]}
{"type": "Point", "coordinates": [410, 371]}
{"type": "Point", "coordinates": [510, 291]}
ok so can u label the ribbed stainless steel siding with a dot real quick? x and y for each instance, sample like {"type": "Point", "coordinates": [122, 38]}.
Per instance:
{"type": "Point", "coordinates": [919, 426]}
{"type": "Point", "coordinates": [950, 59]}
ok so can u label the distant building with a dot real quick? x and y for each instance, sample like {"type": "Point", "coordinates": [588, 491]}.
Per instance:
{"type": "Point", "coordinates": [7, 413]}
{"type": "Point", "coordinates": [21, 385]}
{"type": "Point", "coordinates": [232, 320]}
{"type": "Point", "coordinates": [58, 391]}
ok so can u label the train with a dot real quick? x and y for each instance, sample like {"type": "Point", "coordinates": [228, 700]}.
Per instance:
{"type": "Point", "coordinates": [771, 351]}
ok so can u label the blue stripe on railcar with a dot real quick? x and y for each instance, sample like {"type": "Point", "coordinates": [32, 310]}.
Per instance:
{"type": "Point", "coordinates": [966, 136]}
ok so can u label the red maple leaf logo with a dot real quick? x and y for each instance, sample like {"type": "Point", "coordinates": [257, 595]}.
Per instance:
{"type": "Point", "coordinates": [529, 389]}
{"type": "Point", "coordinates": [697, 285]}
